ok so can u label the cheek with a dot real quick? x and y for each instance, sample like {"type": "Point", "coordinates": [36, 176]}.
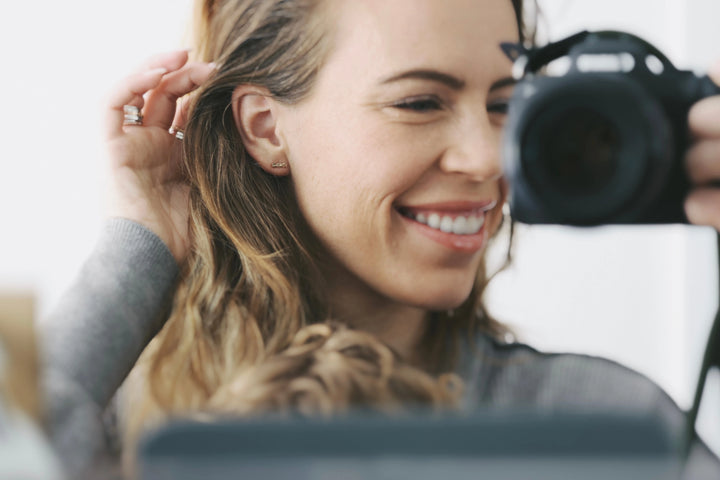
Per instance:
{"type": "Point", "coordinates": [358, 162]}
{"type": "Point", "coordinates": [336, 183]}
{"type": "Point", "coordinates": [497, 213]}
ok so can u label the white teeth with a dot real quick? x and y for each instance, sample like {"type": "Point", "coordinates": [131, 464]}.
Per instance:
{"type": "Point", "coordinates": [461, 225]}
{"type": "Point", "coordinates": [478, 222]}
{"type": "Point", "coordinates": [446, 224]}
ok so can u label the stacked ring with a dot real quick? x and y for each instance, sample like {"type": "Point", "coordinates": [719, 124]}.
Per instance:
{"type": "Point", "coordinates": [132, 115]}
{"type": "Point", "coordinates": [179, 134]}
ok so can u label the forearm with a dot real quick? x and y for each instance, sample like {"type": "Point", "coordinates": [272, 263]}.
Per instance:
{"type": "Point", "coordinates": [94, 336]}
{"type": "Point", "coordinates": [115, 306]}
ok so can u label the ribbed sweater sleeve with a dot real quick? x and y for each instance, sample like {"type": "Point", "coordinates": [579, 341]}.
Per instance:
{"type": "Point", "coordinates": [94, 336]}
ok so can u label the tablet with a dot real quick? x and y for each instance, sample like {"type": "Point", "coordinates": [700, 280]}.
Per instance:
{"type": "Point", "coordinates": [508, 445]}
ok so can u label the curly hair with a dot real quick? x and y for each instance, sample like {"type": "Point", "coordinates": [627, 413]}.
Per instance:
{"type": "Point", "coordinates": [329, 369]}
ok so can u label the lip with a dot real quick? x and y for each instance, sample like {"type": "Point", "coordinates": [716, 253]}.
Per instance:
{"type": "Point", "coordinates": [459, 207]}
{"type": "Point", "coordinates": [468, 244]}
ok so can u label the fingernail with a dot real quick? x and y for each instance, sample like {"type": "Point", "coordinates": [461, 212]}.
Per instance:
{"type": "Point", "coordinates": [156, 71]}
{"type": "Point", "coordinates": [213, 65]}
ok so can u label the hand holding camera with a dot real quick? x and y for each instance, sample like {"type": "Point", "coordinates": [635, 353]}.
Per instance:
{"type": "Point", "coordinates": [702, 205]}
{"type": "Point", "coordinates": [605, 142]}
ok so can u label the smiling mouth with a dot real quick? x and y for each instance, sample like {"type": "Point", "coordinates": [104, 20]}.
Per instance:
{"type": "Point", "coordinates": [466, 223]}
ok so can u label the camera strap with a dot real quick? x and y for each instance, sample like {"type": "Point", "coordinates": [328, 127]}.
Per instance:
{"type": "Point", "coordinates": [529, 61]}
{"type": "Point", "coordinates": [533, 59]}
{"type": "Point", "coordinates": [711, 359]}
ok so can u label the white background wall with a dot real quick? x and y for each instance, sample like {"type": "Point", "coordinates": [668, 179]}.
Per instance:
{"type": "Point", "coordinates": [642, 296]}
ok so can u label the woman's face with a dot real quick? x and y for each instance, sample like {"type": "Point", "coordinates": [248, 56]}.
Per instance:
{"type": "Point", "coordinates": [394, 155]}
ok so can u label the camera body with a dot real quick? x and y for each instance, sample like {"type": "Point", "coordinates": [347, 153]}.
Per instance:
{"type": "Point", "coordinates": [604, 142]}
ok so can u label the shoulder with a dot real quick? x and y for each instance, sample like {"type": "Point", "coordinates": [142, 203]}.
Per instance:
{"type": "Point", "coordinates": [515, 375]}
{"type": "Point", "coordinates": [519, 377]}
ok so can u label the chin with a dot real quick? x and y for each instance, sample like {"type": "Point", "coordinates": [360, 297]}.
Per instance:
{"type": "Point", "coordinates": [442, 300]}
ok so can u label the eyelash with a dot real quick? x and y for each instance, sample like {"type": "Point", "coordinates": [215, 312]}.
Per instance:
{"type": "Point", "coordinates": [429, 104]}
{"type": "Point", "coordinates": [419, 104]}
{"type": "Point", "coordinates": [499, 106]}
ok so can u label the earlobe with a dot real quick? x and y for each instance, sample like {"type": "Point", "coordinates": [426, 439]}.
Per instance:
{"type": "Point", "coordinates": [255, 115]}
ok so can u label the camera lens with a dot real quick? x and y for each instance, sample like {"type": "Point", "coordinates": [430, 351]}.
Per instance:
{"type": "Point", "coordinates": [582, 156]}
{"type": "Point", "coordinates": [587, 150]}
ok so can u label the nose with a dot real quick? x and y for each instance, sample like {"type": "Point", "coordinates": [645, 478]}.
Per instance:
{"type": "Point", "coordinates": [475, 150]}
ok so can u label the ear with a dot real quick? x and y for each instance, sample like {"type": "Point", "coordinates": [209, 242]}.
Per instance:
{"type": "Point", "coordinates": [255, 113]}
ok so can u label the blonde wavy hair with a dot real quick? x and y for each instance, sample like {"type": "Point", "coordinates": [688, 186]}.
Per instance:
{"type": "Point", "coordinates": [330, 369]}
{"type": "Point", "coordinates": [251, 281]}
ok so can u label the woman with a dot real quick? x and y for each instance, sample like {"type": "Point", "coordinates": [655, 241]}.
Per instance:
{"type": "Point", "coordinates": [340, 162]}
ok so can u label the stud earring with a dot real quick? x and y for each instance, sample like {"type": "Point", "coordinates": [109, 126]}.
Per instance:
{"type": "Point", "coordinates": [279, 165]}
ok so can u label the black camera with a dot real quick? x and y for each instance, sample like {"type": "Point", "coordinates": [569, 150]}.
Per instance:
{"type": "Point", "coordinates": [602, 143]}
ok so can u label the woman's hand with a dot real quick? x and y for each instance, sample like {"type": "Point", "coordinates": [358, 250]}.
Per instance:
{"type": "Point", "coordinates": [146, 182]}
{"type": "Point", "coordinates": [703, 160]}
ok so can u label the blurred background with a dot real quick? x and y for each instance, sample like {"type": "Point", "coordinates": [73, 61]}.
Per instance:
{"type": "Point", "coordinates": [642, 296]}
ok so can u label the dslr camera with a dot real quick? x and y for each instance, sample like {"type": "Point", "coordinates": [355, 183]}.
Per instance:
{"type": "Point", "coordinates": [604, 142]}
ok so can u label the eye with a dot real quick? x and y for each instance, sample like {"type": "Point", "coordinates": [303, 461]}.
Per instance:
{"type": "Point", "coordinates": [499, 106]}
{"type": "Point", "coordinates": [419, 104]}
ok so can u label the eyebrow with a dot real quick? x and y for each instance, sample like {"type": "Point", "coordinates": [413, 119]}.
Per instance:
{"type": "Point", "coordinates": [434, 75]}
{"type": "Point", "coordinates": [502, 83]}
{"type": "Point", "coordinates": [444, 78]}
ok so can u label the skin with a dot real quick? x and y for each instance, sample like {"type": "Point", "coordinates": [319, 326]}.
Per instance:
{"type": "Point", "coordinates": [703, 159]}
{"type": "Point", "coordinates": [147, 184]}
{"type": "Point", "coordinates": [360, 149]}
{"type": "Point", "coordinates": [376, 137]}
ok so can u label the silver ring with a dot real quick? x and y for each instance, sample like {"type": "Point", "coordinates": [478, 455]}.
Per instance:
{"type": "Point", "coordinates": [177, 131]}
{"type": "Point", "coordinates": [132, 115]}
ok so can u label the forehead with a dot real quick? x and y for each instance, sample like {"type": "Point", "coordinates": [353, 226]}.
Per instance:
{"type": "Point", "coordinates": [391, 35]}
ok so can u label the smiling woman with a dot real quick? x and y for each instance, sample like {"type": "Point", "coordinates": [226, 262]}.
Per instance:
{"type": "Point", "coordinates": [413, 135]}
{"type": "Point", "coordinates": [333, 232]}
{"type": "Point", "coordinates": [338, 162]}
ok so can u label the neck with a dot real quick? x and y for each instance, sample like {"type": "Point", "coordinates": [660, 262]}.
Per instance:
{"type": "Point", "coordinates": [399, 326]}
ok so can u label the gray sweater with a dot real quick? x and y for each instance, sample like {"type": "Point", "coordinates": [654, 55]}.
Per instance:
{"type": "Point", "coordinates": [121, 298]}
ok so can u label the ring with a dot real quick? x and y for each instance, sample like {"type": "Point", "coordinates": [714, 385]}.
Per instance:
{"type": "Point", "coordinates": [177, 131]}
{"type": "Point", "coordinates": [132, 115]}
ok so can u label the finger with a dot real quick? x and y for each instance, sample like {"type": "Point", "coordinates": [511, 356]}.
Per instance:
{"type": "Point", "coordinates": [704, 118]}
{"type": "Point", "coordinates": [134, 87]}
{"type": "Point", "coordinates": [170, 61]}
{"type": "Point", "coordinates": [702, 207]}
{"type": "Point", "coordinates": [178, 124]}
{"type": "Point", "coordinates": [714, 73]}
{"type": "Point", "coordinates": [181, 113]}
{"type": "Point", "coordinates": [703, 161]}
{"type": "Point", "coordinates": [130, 92]}
{"type": "Point", "coordinates": [161, 103]}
